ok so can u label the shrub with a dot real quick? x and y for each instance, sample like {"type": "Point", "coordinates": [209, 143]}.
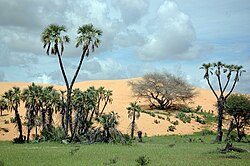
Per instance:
{"type": "Point", "coordinates": [52, 134]}
{"type": "Point", "coordinates": [143, 160]}
{"type": "Point", "coordinates": [199, 120]}
{"type": "Point", "coordinates": [160, 117]}
{"type": "Point", "coordinates": [186, 109]}
{"type": "Point", "coordinates": [6, 121]}
{"type": "Point", "coordinates": [171, 128]}
{"type": "Point", "coordinates": [175, 122]}
{"type": "Point", "coordinates": [183, 117]}
{"type": "Point", "coordinates": [156, 121]}
{"type": "Point", "coordinates": [12, 120]}
{"type": "Point", "coordinates": [152, 114]}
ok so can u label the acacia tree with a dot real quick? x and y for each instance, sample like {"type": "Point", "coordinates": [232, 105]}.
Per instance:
{"type": "Point", "coordinates": [133, 112]}
{"type": "Point", "coordinates": [162, 90]}
{"type": "Point", "coordinates": [232, 74]}
{"type": "Point", "coordinates": [88, 38]}
{"type": "Point", "coordinates": [238, 106]}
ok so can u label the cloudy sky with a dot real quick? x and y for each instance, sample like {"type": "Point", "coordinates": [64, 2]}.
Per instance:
{"type": "Point", "coordinates": [139, 36]}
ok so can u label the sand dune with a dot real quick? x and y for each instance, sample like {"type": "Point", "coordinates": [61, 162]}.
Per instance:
{"type": "Point", "coordinates": [122, 96]}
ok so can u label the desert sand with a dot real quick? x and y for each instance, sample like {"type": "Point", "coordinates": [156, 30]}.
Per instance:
{"type": "Point", "coordinates": [122, 96]}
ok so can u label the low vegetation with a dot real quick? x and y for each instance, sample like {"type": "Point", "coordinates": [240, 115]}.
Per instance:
{"type": "Point", "coordinates": [195, 149]}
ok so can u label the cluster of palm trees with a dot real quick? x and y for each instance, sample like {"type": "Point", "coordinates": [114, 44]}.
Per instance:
{"type": "Point", "coordinates": [41, 103]}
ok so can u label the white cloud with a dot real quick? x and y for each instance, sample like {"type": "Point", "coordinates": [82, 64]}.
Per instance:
{"type": "Point", "coordinates": [131, 10]}
{"type": "Point", "coordinates": [172, 35]}
{"type": "Point", "coordinates": [44, 79]}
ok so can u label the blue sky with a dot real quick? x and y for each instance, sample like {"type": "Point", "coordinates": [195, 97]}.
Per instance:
{"type": "Point", "coordinates": [139, 36]}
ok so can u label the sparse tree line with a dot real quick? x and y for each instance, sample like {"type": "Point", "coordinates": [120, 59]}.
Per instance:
{"type": "Point", "coordinates": [42, 103]}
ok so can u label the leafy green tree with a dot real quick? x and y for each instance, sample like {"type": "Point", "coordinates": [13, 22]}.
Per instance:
{"type": "Point", "coordinates": [238, 106]}
{"type": "Point", "coordinates": [88, 38]}
{"type": "Point", "coordinates": [162, 90]}
{"type": "Point", "coordinates": [13, 97]}
{"type": "Point", "coordinates": [232, 74]}
{"type": "Point", "coordinates": [133, 112]}
{"type": "Point", "coordinates": [3, 105]}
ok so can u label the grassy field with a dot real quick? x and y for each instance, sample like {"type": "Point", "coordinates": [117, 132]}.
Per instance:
{"type": "Point", "coordinates": [162, 150]}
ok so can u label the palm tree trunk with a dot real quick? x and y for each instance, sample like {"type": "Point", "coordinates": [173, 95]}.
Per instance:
{"type": "Point", "coordinates": [75, 128]}
{"type": "Point", "coordinates": [220, 119]}
{"type": "Point", "coordinates": [78, 68]}
{"type": "Point", "coordinates": [43, 117]}
{"type": "Point", "coordinates": [67, 113]}
{"type": "Point", "coordinates": [19, 124]}
{"type": "Point", "coordinates": [133, 126]}
{"type": "Point", "coordinates": [50, 117]}
{"type": "Point", "coordinates": [28, 135]}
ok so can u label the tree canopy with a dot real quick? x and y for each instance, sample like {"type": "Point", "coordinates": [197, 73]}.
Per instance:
{"type": "Point", "coordinates": [162, 90]}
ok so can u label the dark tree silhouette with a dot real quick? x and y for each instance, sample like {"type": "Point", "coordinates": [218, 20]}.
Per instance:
{"type": "Point", "coordinates": [218, 70]}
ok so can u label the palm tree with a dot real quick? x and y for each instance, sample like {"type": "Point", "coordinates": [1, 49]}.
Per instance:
{"type": "Point", "coordinates": [3, 105]}
{"type": "Point", "coordinates": [133, 112]}
{"type": "Point", "coordinates": [52, 39]}
{"type": "Point", "coordinates": [29, 97]}
{"type": "Point", "coordinates": [218, 69]}
{"type": "Point", "coordinates": [103, 95]}
{"type": "Point", "coordinates": [108, 122]}
{"type": "Point", "coordinates": [13, 97]}
{"type": "Point", "coordinates": [88, 37]}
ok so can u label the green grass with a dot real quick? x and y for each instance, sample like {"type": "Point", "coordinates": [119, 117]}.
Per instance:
{"type": "Point", "coordinates": [190, 150]}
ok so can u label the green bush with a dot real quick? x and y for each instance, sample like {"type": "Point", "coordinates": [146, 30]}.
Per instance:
{"type": "Point", "coordinates": [175, 122]}
{"type": "Point", "coordinates": [160, 117]}
{"type": "Point", "coordinates": [152, 114]}
{"type": "Point", "coordinates": [171, 128]}
{"type": "Point", "coordinates": [156, 121]}
{"type": "Point", "coordinates": [52, 134]}
{"type": "Point", "coordinates": [186, 109]}
{"type": "Point", "coordinates": [199, 120]}
{"type": "Point", "coordinates": [143, 160]}
{"type": "Point", "coordinates": [183, 117]}
{"type": "Point", "coordinates": [12, 120]}
{"type": "Point", "coordinates": [6, 121]}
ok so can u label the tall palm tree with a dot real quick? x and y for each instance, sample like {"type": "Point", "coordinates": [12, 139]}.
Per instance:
{"type": "Point", "coordinates": [218, 69]}
{"type": "Point", "coordinates": [13, 97]}
{"type": "Point", "coordinates": [88, 38]}
{"type": "Point", "coordinates": [53, 40]}
{"type": "Point", "coordinates": [3, 105]}
{"type": "Point", "coordinates": [133, 112]}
